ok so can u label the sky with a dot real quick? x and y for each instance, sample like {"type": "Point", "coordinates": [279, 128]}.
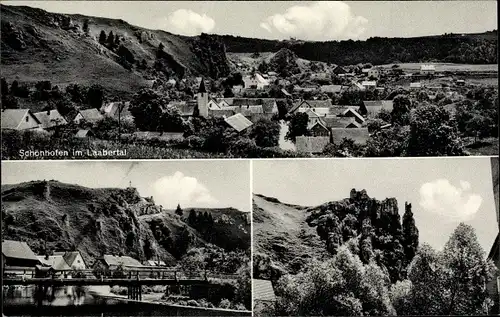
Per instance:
{"type": "Point", "coordinates": [204, 183]}
{"type": "Point", "coordinates": [305, 20]}
{"type": "Point", "coordinates": [443, 192]}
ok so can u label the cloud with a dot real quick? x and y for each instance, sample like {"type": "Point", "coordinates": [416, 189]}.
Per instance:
{"type": "Point", "coordinates": [454, 203]}
{"type": "Point", "coordinates": [187, 22]}
{"type": "Point", "coordinates": [322, 20]}
{"type": "Point", "coordinates": [185, 190]}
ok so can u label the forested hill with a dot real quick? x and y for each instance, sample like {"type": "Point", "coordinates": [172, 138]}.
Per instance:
{"type": "Point", "coordinates": [374, 228]}
{"type": "Point", "coordinates": [479, 48]}
{"type": "Point", "coordinates": [54, 216]}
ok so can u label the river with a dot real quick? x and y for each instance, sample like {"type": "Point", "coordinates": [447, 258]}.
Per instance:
{"type": "Point", "coordinates": [94, 301]}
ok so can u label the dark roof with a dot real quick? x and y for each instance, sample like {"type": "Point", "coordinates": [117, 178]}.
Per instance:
{"type": "Point", "coordinates": [311, 144]}
{"type": "Point", "coordinates": [202, 87]}
{"type": "Point", "coordinates": [11, 118]}
{"type": "Point", "coordinates": [359, 135]}
{"type": "Point", "coordinates": [263, 290]}
{"type": "Point", "coordinates": [311, 104]}
{"type": "Point", "coordinates": [50, 118]}
{"type": "Point", "coordinates": [238, 122]}
{"type": "Point", "coordinates": [331, 88]}
{"type": "Point", "coordinates": [249, 110]}
{"type": "Point", "coordinates": [219, 113]}
{"type": "Point", "coordinates": [338, 122]}
{"type": "Point", "coordinates": [91, 114]}
{"type": "Point", "coordinates": [18, 250]}
{"type": "Point", "coordinates": [375, 106]}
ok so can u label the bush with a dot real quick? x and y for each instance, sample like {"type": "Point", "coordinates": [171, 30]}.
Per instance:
{"type": "Point", "coordinates": [225, 303]}
{"type": "Point", "coordinates": [193, 303]}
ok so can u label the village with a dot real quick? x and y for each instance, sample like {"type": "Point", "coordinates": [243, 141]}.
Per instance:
{"type": "Point", "coordinates": [325, 112]}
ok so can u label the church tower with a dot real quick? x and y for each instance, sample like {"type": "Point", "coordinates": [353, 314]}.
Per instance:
{"type": "Point", "coordinates": [202, 98]}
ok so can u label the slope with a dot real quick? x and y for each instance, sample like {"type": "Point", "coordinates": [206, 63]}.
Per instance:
{"type": "Point", "coordinates": [39, 45]}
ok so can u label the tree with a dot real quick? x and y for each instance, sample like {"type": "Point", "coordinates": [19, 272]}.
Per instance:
{"type": "Point", "coordinates": [477, 126]}
{"type": "Point", "coordinates": [102, 37]}
{"type": "Point", "coordinates": [282, 108]}
{"type": "Point", "coordinates": [4, 90]}
{"type": "Point", "coordinates": [171, 120]}
{"type": "Point", "coordinates": [95, 96]}
{"type": "Point", "coordinates": [297, 126]}
{"type": "Point", "coordinates": [147, 108]}
{"type": "Point", "coordinates": [111, 40]}
{"type": "Point", "coordinates": [178, 210]}
{"type": "Point", "coordinates": [192, 218]}
{"type": "Point", "coordinates": [432, 133]}
{"type": "Point", "coordinates": [401, 110]}
{"type": "Point", "coordinates": [266, 133]}
{"type": "Point", "coordinates": [85, 27]}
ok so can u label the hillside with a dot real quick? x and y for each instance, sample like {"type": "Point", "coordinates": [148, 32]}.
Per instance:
{"type": "Point", "coordinates": [291, 235]}
{"type": "Point", "coordinates": [50, 215]}
{"type": "Point", "coordinates": [478, 48]}
{"type": "Point", "coordinates": [38, 45]}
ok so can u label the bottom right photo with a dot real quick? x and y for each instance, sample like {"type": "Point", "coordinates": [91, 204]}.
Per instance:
{"type": "Point", "coordinates": [374, 237]}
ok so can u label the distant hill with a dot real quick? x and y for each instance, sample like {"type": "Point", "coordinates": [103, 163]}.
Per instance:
{"type": "Point", "coordinates": [478, 48]}
{"type": "Point", "coordinates": [50, 215]}
{"type": "Point", "coordinates": [291, 236]}
{"type": "Point", "coordinates": [39, 45]}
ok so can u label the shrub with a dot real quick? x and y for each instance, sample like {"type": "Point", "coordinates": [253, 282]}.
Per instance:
{"type": "Point", "coordinates": [225, 303]}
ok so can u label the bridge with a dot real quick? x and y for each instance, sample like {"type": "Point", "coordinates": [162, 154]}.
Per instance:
{"type": "Point", "coordinates": [133, 278]}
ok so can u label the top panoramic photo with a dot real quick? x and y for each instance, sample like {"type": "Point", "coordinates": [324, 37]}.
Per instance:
{"type": "Point", "coordinates": [216, 79]}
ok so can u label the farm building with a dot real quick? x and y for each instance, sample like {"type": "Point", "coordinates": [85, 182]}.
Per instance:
{"type": "Point", "coordinates": [416, 85]}
{"type": "Point", "coordinates": [19, 119]}
{"type": "Point", "coordinates": [318, 128]}
{"type": "Point", "coordinates": [88, 115]}
{"type": "Point", "coordinates": [369, 84]}
{"type": "Point", "coordinates": [331, 88]}
{"type": "Point", "coordinates": [359, 136]}
{"type": "Point", "coordinates": [109, 263]}
{"type": "Point", "coordinates": [50, 119]}
{"type": "Point", "coordinates": [372, 108]}
{"type": "Point", "coordinates": [55, 262]}
{"type": "Point", "coordinates": [427, 69]}
{"type": "Point", "coordinates": [256, 81]}
{"type": "Point", "coordinates": [73, 258]}
{"type": "Point", "coordinates": [340, 122]}
{"type": "Point", "coordinates": [311, 144]}
{"type": "Point", "coordinates": [238, 122]}
{"type": "Point", "coordinates": [302, 106]}
{"type": "Point", "coordinates": [117, 110]}
{"type": "Point", "coordinates": [84, 134]}
{"type": "Point", "coordinates": [19, 254]}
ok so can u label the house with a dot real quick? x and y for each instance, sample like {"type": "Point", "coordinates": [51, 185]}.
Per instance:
{"type": "Point", "coordinates": [311, 144]}
{"type": "Point", "coordinates": [19, 254]}
{"type": "Point", "coordinates": [155, 263]}
{"type": "Point", "coordinates": [318, 128]}
{"type": "Point", "coordinates": [303, 105]}
{"type": "Point", "coordinates": [331, 88]}
{"type": "Point", "coordinates": [356, 86]}
{"type": "Point", "coordinates": [359, 136]}
{"type": "Point", "coordinates": [297, 88]}
{"type": "Point", "coordinates": [220, 113]}
{"type": "Point", "coordinates": [286, 93]}
{"type": "Point", "coordinates": [313, 116]}
{"type": "Point", "coordinates": [73, 258]}
{"type": "Point", "coordinates": [460, 82]}
{"type": "Point", "coordinates": [213, 105]}
{"type": "Point", "coordinates": [50, 119]}
{"type": "Point", "coordinates": [56, 263]}
{"type": "Point", "coordinates": [372, 108]}
{"type": "Point", "coordinates": [84, 134]}
{"type": "Point", "coordinates": [256, 81]}
{"type": "Point", "coordinates": [238, 122]}
{"type": "Point", "coordinates": [369, 84]}
{"type": "Point", "coordinates": [373, 72]}
{"type": "Point", "coordinates": [108, 263]}
{"type": "Point", "coordinates": [91, 115]}
{"type": "Point", "coordinates": [350, 112]}
{"type": "Point", "coordinates": [237, 89]}
{"type": "Point", "coordinates": [416, 85]}
{"type": "Point", "coordinates": [340, 122]}
{"type": "Point", "coordinates": [338, 70]}
{"type": "Point", "coordinates": [117, 110]}
{"type": "Point", "coordinates": [427, 69]}
{"type": "Point", "coordinates": [263, 294]}
{"type": "Point", "coordinates": [19, 119]}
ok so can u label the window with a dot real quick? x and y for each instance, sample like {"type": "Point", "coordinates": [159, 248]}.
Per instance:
{"type": "Point", "coordinates": [27, 119]}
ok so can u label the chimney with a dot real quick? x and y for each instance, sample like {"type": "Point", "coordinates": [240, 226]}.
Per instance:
{"type": "Point", "coordinates": [48, 112]}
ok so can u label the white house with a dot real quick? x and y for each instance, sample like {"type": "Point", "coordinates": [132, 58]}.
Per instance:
{"type": "Point", "coordinates": [369, 84]}
{"type": "Point", "coordinates": [89, 115]}
{"type": "Point", "coordinates": [427, 69]}
{"type": "Point", "coordinates": [415, 85]}
{"type": "Point", "coordinates": [19, 119]}
{"type": "Point", "coordinates": [374, 72]}
{"type": "Point", "coordinates": [255, 82]}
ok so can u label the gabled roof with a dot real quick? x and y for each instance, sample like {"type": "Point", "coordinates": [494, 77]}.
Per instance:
{"type": "Point", "coordinates": [317, 123]}
{"type": "Point", "coordinates": [376, 105]}
{"type": "Point", "coordinates": [56, 262]}
{"type": "Point", "coordinates": [11, 118]}
{"type": "Point", "coordinates": [249, 110]}
{"type": "Point", "coordinates": [359, 135]}
{"type": "Point", "coordinates": [339, 122]}
{"type": "Point", "coordinates": [311, 104]}
{"type": "Point", "coordinates": [355, 113]}
{"type": "Point", "coordinates": [83, 133]}
{"type": "Point", "coordinates": [263, 290]}
{"type": "Point", "coordinates": [369, 83]}
{"type": "Point", "coordinates": [311, 114]}
{"type": "Point", "coordinates": [18, 250]}
{"type": "Point", "coordinates": [69, 256]}
{"type": "Point", "coordinates": [91, 114]}
{"type": "Point", "coordinates": [155, 263]}
{"type": "Point", "coordinates": [415, 85]}
{"type": "Point", "coordinates": [219, 113]}
{"type": "Point", "coordinates": [238, 122]}
{"type": "Point", "coordinates": [112, 109]}
{"type": "Point", "coordinates": [331, 88]}
{"type": "Point", "coordinates": [286, 93]}
{"type": "Point", "coordinates": [125, 261]}
{"type": "Point", "coordinates": [311, 144]}
{"type": "Point", "coordinates": [427, 67]}
{"type": "Point", "coordinates": [50, 118]}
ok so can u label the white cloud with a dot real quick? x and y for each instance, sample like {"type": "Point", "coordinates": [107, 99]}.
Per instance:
{"type": "Point", "coordinates": [454, 203]}
{"type": "Point", "coordinates": [185, 190]}
{"type": "Point", "coordinates": [322, 20]}
{"type": "Point", "coordinates": [187, 22]}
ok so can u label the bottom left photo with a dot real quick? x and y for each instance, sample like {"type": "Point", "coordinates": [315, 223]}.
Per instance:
{"type": "Point", "coordinates": [126, 238]}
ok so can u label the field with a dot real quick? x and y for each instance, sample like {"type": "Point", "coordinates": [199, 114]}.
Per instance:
{"type": "Point", "coordinates": [448, 67]}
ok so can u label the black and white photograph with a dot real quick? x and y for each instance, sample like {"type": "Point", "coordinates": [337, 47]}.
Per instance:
{"type": "Point", "coordinates": [248, 79]}
{"type": "Point", "coordinates": [126, 238]}
{"type": "Point", "coordinates": [387, 237]}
